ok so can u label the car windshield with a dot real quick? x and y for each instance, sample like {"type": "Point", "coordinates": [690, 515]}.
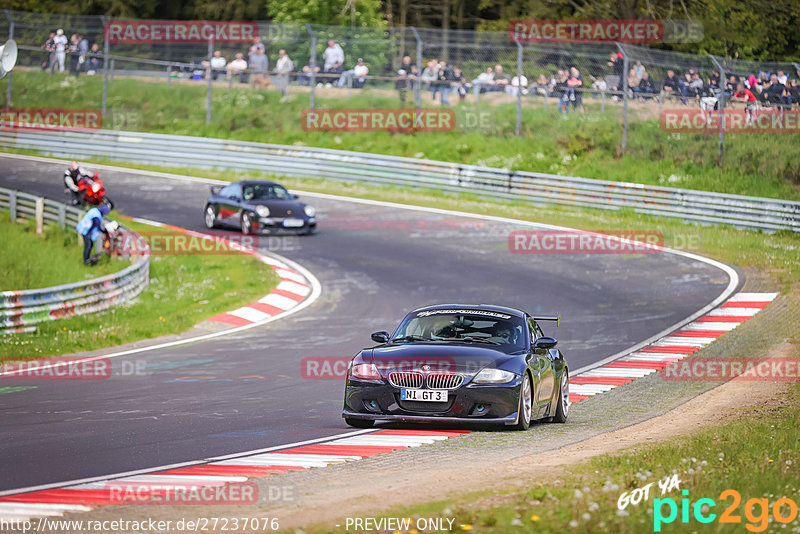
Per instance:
{"type": "Point", "coordinates": [265, 192]}
{"type": "Point", "coordinates": [470, 326]}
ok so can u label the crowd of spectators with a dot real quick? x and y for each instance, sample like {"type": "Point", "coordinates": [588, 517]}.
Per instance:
{"type": "Point", "coordinates": [82, 58]}
{"type": "Point", "coordinates": [442, 79]}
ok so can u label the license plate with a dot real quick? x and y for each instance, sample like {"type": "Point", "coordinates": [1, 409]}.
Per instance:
{"type": "Point", "coordinates": [423, 395]}
{"type": "Point", "coordinates": [293, 223]}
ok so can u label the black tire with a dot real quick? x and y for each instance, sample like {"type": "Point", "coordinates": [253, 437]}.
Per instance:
{"type": "Point", "coordinates": [246, 223]}
{"type": "Point", "coordinates": [562, 408]}
{"type": "Point", "coordinates": [210, 217]}
{"type": "Point", "coordinates": [107, 201]}
{"type": "Point", "coordinates": [525, 414]}
{"type": "Point", "coordinates": [359, 423]}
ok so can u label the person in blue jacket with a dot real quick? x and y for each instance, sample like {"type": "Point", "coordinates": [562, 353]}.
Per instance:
{"type": "Point", "coordinates": [90, 228]}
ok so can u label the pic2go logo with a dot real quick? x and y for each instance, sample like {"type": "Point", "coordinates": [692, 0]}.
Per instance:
{"type": "Point", "coordinates": [756, 511]}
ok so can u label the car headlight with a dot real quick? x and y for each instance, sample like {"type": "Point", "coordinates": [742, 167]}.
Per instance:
{"type": "Point", "coordinates": [493, 376]}
{"type": "Point", "coordinates": [310, 211]}
{"type": "Point", "coordinates": [262, 211]}
{"type": "Point", "coordinates": [365, 371]}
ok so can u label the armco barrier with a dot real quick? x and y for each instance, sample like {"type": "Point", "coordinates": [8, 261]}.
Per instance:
{"type": "Point", "coordinates": [173, 150]}
{"type": "Point", "coordinates": [20, 311]}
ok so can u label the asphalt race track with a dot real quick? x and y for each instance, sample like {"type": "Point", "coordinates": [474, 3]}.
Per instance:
{"type": "Point", "coordinates": [374, 264]}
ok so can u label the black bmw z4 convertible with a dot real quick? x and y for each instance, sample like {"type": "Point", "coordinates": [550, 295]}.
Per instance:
{"type": "Point", "coordinates": [456, 363]}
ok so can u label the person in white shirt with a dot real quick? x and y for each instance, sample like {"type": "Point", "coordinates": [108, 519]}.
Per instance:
{"type": "Point", "coordinates": [333, 57]}
{"type": "Point", "coordinates": [238, 67]}
{"type": "Point", "coordinates": [483, 81]}
{"type": "Point", "coordinates": [60, 41]}
{"type": "Point", "coordinates": [218, 64]}
{"type": "Point", "coordinates": [283, 68]}
{"type": "Point", "coordinates": [358, 74]}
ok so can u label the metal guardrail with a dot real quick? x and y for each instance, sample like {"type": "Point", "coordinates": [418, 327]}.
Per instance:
{"type": "Point", "coordinates": [174, 150]}
{"type": "Point", "coordinates": [21, 311]}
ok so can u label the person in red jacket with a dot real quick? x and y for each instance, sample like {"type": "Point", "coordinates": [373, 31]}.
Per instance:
{"type": "Point", "coordinates": [743, 94]}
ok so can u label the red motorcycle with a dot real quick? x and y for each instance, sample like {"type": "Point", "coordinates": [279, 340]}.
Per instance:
{"type": "Point", "coordinates": [91, 192]}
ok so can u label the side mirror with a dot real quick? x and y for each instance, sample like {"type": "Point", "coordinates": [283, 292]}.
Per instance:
{"type": "Point", "coordinates": [545, 342]}
{"type": "Point", "coordinates": [296, 196]}
{"type": "Point", "coordinates": [380, 337]}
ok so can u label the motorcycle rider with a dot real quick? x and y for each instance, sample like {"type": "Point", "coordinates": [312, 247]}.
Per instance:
{"type": "Point", "coordinates": [73, 177]}
{"type": "Point", "coordinates": [90, 227]}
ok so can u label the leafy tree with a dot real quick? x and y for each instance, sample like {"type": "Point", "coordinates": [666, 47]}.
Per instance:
{"type": "Point", "coordinates": [362, 13]}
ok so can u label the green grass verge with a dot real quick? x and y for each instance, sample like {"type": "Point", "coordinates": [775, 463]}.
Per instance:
{"type": "Point", "coordinates": [589, 146]}
{"type": "Point", "coordinates": [28, 258]}
{"type": "Point", "coordinates": [183, 291]}
{"type": "Point", "coordinates": [756, 455]}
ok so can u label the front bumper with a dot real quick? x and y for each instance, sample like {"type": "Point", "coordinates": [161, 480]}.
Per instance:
{"type": "Point", "coordinates": [489, 404]}
{"type": "Point", "coordinates": [274, 225]}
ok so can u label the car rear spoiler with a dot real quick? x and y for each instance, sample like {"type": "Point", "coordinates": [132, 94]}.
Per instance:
{"type": "Point", "coordinates": [215, 189]}
{"type": "Point", "coordinates": [556, 318]}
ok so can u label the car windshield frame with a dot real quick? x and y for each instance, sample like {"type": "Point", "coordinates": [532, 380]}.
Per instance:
{"type": "Point", "coordinates": [266, 192]}
{"type": "Point", "coordinates": [463, 326]}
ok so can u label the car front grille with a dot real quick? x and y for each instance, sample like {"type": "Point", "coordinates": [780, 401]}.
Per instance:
{"type": "Point", "coordinates": [444, 381]}
{"type": "Point", "coordinates": [406, 379]}
{"type": "Point", "coordinates": [433, 381]}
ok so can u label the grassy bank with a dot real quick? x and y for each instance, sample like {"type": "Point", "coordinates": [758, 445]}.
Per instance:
{"type": "Point", "coordinates": [183, 291]}
{"type": "Point", "coordinates": [28, 258]}
{"type": "Point", "coordinates": [588, 146]}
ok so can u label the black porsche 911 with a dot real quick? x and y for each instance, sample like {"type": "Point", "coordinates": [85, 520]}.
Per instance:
{"type": "Point", "coordinates": [258, 206]}
{"type": "Point", "coordinates": [455, 363]}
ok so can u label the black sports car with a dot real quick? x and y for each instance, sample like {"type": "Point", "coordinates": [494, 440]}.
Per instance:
{"type": "Point", "coordinates": [257, 206]}
{"type": "Point", "coordinates": [459, 363]}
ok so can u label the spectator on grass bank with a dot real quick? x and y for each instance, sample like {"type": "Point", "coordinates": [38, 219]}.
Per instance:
{"type": "Point", "coordinates": [283, 69]}
{"type": "Point", "coordinates": [483, 81]}
{"type": "Point", "coordinates": [574, 92]}
{"type": "Point", "coordinates": [445, 80]}
{"type": "Point", "coordinates": [406, 78]}
{"type": "Point", "coordinates": [639, 68]}
{"type": "Point", "coordinates": [460, 84]}
{"type": "Point", "coordinates": [333, 58]}
{"type": "Point", "coordinates": [305, 77]}
{"type": "Point", "coordinates": [253, 52]}
{"type": "Point", "coordinates": [74, 54]}
{"type": "Point", "coordinates": [217, 64]}
{"type": "Point", "coordinates": [696, 87]}
{"type": "Point", "coordinates": [617, 64]}
{"type": "Point", "coordinates": [773, 93]}
{"type": "Point", "coordinates": [95, 60]}
{"type": "Point", "coordinates": [429, 75]}
{"type": "Point", "coordinates": [61, 45]}
{"type": "Point", "coordinates": [501, 79]}
{"type": "Point", "coordinates": [674, 86]}
{"type": "Point", "coordinates": [746, 96]}
{"type": "Point", "coordinates": [356, 77]}
{"type": "Point", "coordinates": [645, 87]}
{"type": "Point", "coordinates": [238, 67]}
{"type": "Point", "coordinates": [49, 46]}
{"type": "Point", "coordinates": [259, 64]}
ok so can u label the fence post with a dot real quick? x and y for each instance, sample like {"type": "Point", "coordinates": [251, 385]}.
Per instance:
{"type": "Point", "coordinates": [519, 87]}
{"type": "Point", "coordinates": [10, 74]}
{"type": "Point", "coordinates": [312, 100]}
{"type": "Point", "coordinates": [39, 215]}
{"type": "Point", "coordinates": [210, 77]}
{"type": "Point", "coordinates": [418, 81]}
{"type": "Point", "coordinates": [111, 73]}
{"type": "Point", "coordinates": [12, 206]}
{"type": "Point", "coordinates": [721, 142]}
{"type": "Point", "coordinates": [62, 215]}
{"type": "Point", "coordinates": [624, 97]}
{"type": "Point", "coordinates": [169, 75]}
{"type": "Point", "coordinates": [106, 48]}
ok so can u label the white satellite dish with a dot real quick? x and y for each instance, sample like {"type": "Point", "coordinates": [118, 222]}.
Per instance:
{"type": "Point", "coordinates": [8, 57]}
